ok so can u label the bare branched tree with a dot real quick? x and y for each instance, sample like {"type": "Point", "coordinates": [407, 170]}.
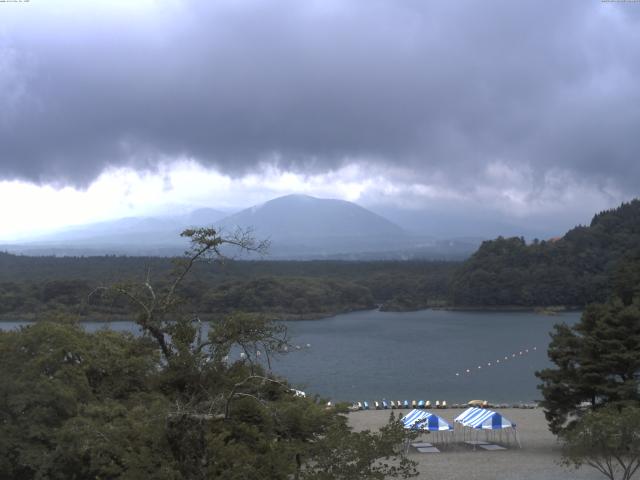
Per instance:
{"type": "Point", "coordinates": [154, 305]}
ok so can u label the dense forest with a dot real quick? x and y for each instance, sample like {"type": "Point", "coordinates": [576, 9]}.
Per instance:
{"type": "Point", "coordinates": [171, 404]}
{"type": "Point", "coordinates": [572, 270]}
{"type": "Point", "coordinates": [30, 286]}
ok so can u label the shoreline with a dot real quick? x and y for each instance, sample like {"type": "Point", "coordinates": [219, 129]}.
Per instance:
{"type": "Point", "coordinates": [287, 317]}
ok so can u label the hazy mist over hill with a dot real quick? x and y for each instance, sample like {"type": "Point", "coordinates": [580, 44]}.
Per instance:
{"type": "Point", "coordinates": [297, 226]}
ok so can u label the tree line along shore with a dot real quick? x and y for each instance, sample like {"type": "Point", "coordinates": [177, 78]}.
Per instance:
{"type": "Point", "coordinates": [567, 272]}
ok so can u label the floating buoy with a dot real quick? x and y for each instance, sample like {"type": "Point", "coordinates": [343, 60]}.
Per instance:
{"type": "Point", "coordinates": [497, 361]}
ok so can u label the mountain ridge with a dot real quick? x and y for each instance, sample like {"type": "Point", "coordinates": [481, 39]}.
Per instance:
{"type": "Point", "coordinates": [290, 215]}
{"type": "Point", "coordinates": [298, 227]}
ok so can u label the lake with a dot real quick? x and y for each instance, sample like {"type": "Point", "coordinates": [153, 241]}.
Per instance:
{"type": "Point", "coordinates": [371, 355]}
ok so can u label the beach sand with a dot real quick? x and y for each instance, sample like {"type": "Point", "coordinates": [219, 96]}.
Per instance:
{"type": "Point", "coordinates": [538, 459]}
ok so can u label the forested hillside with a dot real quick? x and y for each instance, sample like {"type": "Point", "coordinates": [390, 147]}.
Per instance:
{"type": "Point", "coordinates": [572, 270]}
{"type": "Point", "coordinates": [30, 286]}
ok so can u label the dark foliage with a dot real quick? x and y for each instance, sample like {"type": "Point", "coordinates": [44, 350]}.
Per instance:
{"type": "Point", "coordinates": [607, 440]}
{"type": "Point", "coordinates": [597, 360]}
{"type": "Point", "coordinates": [574, 270]}
{"type": "Point", "coordinates": [33, 285]}
{"type": "Point", "coordinates": [169, 404]}
{"type": "Point", "coordinates": [78, 405]}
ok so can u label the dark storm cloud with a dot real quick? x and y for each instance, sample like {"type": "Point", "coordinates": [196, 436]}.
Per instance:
{"type": "Point", "coordinates": [446, 87]}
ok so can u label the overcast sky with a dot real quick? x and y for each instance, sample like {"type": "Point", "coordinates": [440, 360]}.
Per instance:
{"type": "Point", "coordinates": [515, 111]}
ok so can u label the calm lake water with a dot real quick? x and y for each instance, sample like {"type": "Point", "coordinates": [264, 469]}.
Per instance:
{"type": "Point", "coordinates": [373, 355]}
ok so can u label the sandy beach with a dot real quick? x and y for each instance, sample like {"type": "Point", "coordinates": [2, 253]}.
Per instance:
{"type": "Point", "coordinates": [538, 459]}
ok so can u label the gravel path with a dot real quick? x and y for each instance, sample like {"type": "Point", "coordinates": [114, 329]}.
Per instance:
{"type": "Point", "coordinates": [537, 460]}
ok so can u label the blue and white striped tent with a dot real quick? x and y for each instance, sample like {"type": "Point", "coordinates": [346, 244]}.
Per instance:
{"type": "Point", "coordinates": [482, 419]}
{"type": "Point", "coordinates": [423, 420]}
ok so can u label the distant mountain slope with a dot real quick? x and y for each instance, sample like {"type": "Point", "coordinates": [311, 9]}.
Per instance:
{"type": "Point", "coordinates": [573, 270]}
{"type": "Point", "coordinates": [459, 222]}
{"type": "Point", "coordinates": [300, 226]}
{"type": "Point", "coordinates": [133, 235]}
{"type": "Point", "coordinates": [305, 217]}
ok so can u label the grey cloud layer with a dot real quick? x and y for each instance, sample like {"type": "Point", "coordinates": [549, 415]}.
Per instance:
{"type": "Point", "coordinates": [445, 87]}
